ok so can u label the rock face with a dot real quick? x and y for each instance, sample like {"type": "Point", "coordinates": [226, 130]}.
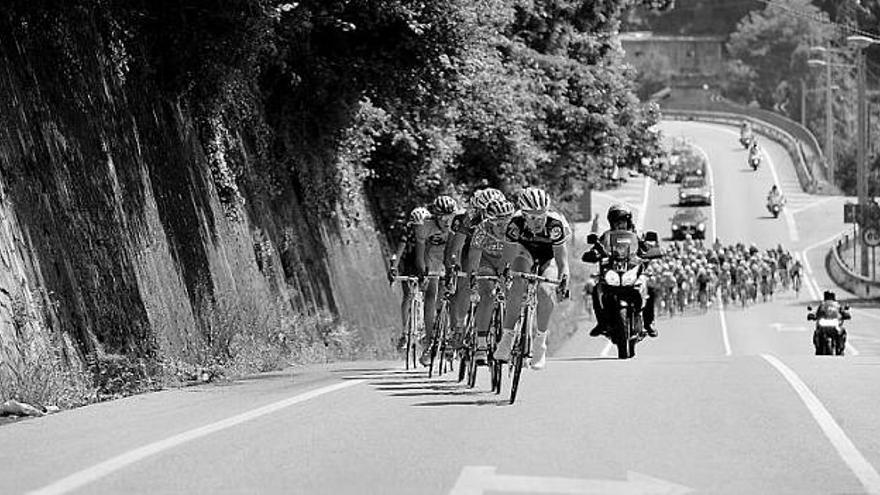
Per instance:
{"type": "Point", "coordinates": [116, 236]}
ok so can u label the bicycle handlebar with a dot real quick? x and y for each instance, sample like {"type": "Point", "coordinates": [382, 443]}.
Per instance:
{"type": "Point", "coordinates": [535, 278]}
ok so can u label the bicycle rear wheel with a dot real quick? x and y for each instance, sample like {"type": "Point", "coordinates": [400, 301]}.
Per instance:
{"type": "Point", "coordinates": [437, 340]}
{"type": "Point", "coordinates": [495, 334]}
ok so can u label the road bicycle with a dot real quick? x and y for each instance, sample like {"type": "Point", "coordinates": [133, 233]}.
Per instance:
{"type": "Point", "coordinates": [521, 349]}
{"type": "Point", "coordinates": [472, 338]}
{"type": "Point", "coordinates": [796, 283]}
{"type": "Point", "coordinates": [415, 321]}
{"type": "Point", "coordinates": [440, 335]}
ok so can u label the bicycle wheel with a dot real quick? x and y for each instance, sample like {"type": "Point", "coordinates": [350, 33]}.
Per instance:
{"type": "Point", "coordinates": [437, 340]}
{"type": "Point", "coordinates": [495, 334]}
{"type": "Point", "coordinates": [520, 350]}
{"type": "Point", "coordinates": [410, 330]}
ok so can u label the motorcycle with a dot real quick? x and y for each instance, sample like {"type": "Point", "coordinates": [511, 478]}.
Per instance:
{"type": "Point", "coordinates": [745, 141]}
{"type": "Point", "coordinates": [774, 207]}
{"type": "Point", "coordinates": [755, 161]}
{"type": "Point", "coordinates": [622, 285]}
{"type": "Point", "coordinates": [829, 338]}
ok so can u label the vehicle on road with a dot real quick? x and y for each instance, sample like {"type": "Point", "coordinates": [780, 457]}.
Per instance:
{"type": "Point", "coordinates": [690, 220]}
{"type": "Point", "coordinates": [774, 207]}
{"type": "Point", "coordinates": [829, 337]}
{"type": "Point", "coordinates": [745, 141]}
{"type": "Point", "coordinates": [694, 190]}
{"type": "Point", "coordinates": [623, 287]}
{"type": "Point", "coordinates": [755, 161]}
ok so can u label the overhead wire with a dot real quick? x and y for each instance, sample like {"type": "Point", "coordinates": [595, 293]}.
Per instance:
{"type": "Point", "coordinates": [819, 19]}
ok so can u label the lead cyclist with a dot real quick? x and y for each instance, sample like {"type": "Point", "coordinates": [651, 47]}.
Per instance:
{"type": "Point", "coordinates": [536, 236]}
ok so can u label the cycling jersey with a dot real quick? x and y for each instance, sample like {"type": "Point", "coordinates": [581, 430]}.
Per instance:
{"type": "Point", "coordinates": [406, 251]}
{"type": "Point", "coordinates": [465, 224]}
{"type": "Point", "coordinates": [539, 244]}
{"type": "Point", "coordinates": [435, 239]}
{"type": "Point", "coordinates": [485, 240]}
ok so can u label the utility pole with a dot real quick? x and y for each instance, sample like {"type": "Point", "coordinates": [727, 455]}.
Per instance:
{"type": "Point", "coordinates": [829, 120]}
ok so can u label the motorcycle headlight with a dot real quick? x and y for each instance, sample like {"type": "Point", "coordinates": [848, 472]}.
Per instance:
{"type": "Point", "coordinates": [630, 276]}
{"type": "Point", "coordinates": [674, 226]}
{"type": "Point", "coordinates": [828, 322]}
{"type": "Point", "coordinates": [701, 226]}
{"type": "Point", "coordinates": [612, 278]}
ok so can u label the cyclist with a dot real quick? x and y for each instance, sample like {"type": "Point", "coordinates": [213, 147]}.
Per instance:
{"type": "Point", "coordinates": [485, 258]}
{"type": "Point", "coordinates": [463, 227]}
{"type": "Point", "coordinates": [620, 218]}
{"type": "Point", "coordinates": [536, 236]}
{"type": "Point", "coordinates": [794, 271]}
{"type": "Point", "coordinates": [432, 237]}
{"type": "Point", "coordinates": [404, 261]}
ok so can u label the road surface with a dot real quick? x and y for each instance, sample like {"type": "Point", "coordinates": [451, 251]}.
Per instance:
{"type": "Point", "coordinates": [729, 401]}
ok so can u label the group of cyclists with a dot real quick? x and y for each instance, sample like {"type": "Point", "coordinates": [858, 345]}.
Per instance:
{"type": "Point", "coordinates": [488, 236]}
{"type": "Point", "coordinates": [692, 274]}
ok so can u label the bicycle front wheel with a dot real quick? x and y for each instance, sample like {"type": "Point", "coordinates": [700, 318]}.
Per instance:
{"type": "Point", "coordinates": [520, 352]}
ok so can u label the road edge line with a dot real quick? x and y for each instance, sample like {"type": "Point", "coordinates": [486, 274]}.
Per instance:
{"type": "Point", "coordinates": [845, 448]}
{"type": "Point", "coordinates": [105, 468]}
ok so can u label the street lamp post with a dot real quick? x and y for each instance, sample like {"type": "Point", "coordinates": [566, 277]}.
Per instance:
{"type": "Point", "coordinates": [860, 43]}
{"type": "Point", "coordinates": [829, 111]}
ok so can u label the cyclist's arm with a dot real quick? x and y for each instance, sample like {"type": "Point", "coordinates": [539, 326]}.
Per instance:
{"type": "Point", "coordinates": [475, 253]}
{"type": "Point", "coordinates": [454, 247]}
{"type": "Point", "coordinates": [560, 253]}
{"type": "Point", "coordinates": [421, 247]}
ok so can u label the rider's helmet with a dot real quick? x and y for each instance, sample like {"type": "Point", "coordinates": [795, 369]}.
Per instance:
{"type": "Point", "coordinates": [829, 296]}
{"type": "Point", "coordinates": [443, 205]}
{"type": "Point", "coordinates": [499, 208]}
{"type": "Point", "coordinates": [482, 197]}
{"type": "Point", "coordinates": [534, 199]}
{"type": "Point", "coordinates": [419, 215]}
{"type": "Point", "coordinates": [618, 213]}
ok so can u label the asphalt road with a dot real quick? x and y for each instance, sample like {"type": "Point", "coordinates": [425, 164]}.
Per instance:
{"type": "Point", "coordinates": [730, 401]}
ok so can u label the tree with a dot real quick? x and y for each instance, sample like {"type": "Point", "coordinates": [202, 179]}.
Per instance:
{"type": "Point", "coordinates": [770, 48]}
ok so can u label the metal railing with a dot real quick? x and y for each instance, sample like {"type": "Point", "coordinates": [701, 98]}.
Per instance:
{"type": "Point", "coordinates": [805, 143]}
{"type": "Point", "coordinates": [804, 170]}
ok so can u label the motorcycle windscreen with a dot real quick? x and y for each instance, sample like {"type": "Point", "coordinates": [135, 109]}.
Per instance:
{"type": "Point", "coordinates": [622, 244]}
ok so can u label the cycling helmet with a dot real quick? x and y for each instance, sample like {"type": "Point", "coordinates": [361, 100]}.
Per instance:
{"type": "Point", "coordinates": [499, 208]}
{"type": "Point", "coordinates": [419, 215]}
{"type": "Point", "coordinates": [534, 199]}
{"type": "Point", "coordinates": [617, 213]}
{"type": "Point", "coordinates": [483, 197]}
{"type": "Point", "coordinates": [443, 205]}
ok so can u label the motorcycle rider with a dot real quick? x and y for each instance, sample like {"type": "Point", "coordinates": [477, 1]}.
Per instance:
{"type": "Point", "coordinates": [830, 308]}
{"type": "Point", "coordinates": [745, 130]}
{"type": "Point", "coordinates": [754, 151]}
{"type": "Point", "coordinates": [775, 196]}
{"type": "Point", "coordinates": [619, 218]}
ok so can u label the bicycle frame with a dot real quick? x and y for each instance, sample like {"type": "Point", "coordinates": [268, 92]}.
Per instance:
{"type": "Point", "coordinates": [522, 341]}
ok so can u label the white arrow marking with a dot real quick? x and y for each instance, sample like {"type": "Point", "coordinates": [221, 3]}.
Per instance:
{"type": "Point", "coordinates": [781, 327]}
{"type": "Point", "coordinates": [475, 480]}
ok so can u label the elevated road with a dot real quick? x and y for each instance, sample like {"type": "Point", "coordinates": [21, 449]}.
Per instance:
{"type": "Point", "coordinates": [730, 401]}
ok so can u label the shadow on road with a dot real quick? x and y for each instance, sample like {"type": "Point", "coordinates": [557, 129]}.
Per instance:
{"type": "Point", "coordinates": [477, 402]}
{"type": "Point", "coordinates": [584, 358]}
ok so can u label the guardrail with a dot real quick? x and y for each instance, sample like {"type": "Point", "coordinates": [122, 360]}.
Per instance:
{"type": "Point", "coordinates": [844, 276]}
{"type": "Point", "coordinates": [804, 170]}
{"type": "Point", "coordinates": [805, 143]}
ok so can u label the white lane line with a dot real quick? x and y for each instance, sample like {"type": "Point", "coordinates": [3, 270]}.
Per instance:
{"type": "Point", "coordinates": [643, 213]}
{"type": "Point", "coordinates": [863, 470]}
{"type": "Point", "coordinates": [724, 333]}
{"type": "Point", "coordinates": [789, 219]}
{"type": "Point", "coordinates": [711, 176]}
{"type": "Point", "coordinates": [852, 350]}
{"type": "Point", "coordinates": [98, 471]}
{"type": "Point", "coordinates": [606, 352]}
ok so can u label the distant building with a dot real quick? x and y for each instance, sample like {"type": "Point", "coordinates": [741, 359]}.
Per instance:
{"type": "Point", "coordinates": [691, 60]}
